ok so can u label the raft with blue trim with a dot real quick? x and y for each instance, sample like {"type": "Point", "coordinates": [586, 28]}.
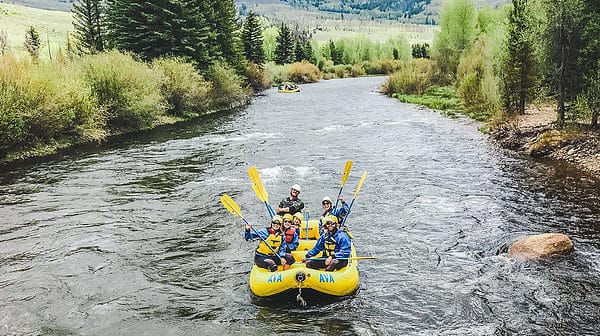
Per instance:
{"type": "Point", "coordinates": [298, 277]}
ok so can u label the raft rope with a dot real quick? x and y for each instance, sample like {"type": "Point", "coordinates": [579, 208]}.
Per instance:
{"type": "Point", "coordinates": [299, 298]}
{"type": "Point", "coordinates": [300, 277]}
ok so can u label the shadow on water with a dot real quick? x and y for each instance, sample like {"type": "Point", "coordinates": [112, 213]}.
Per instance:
{"type": "Point", "coordinates": [182, 130]}
{"type": "Point", "coordinates": [290, 300]}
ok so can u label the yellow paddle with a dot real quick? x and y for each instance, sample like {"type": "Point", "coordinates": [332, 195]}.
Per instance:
{"type": "Point", "coordinates": [259, 189]}
{"type": "Point", "coordinates": [360, 183]}
{"type": "Point", "coordinates": [347, 168]}
{"type": "Point", "coordinates": [234, 208]}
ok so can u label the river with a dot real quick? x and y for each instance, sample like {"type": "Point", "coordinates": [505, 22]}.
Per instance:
{"type": "Point", "coordinates": [129, 238]}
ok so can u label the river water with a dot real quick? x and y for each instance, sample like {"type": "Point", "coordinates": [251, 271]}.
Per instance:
{"type": "Point", "coordinates": [129, 238]}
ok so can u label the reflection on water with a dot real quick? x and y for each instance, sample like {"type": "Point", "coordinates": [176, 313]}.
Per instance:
{"type": "Point", "coordinates": [130, 238]}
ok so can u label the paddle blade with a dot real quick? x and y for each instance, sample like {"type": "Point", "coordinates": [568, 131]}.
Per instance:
{"type": "Point", "coordinates": [360, 183]}
{"type": "Point", "coordinates": [347, 168]}
{"type": "Point", "coordinates": [230, 205]}
{"type": "Point", "coordinates": [257, 185]}
{"type": "Point", "coordinates": [261, 194]}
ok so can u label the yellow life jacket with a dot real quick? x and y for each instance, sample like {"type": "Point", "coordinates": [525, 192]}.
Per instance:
{"type": "Point", "coordinates": [274, 241]}
{"type": "Point", "coordinates": [329, 249]}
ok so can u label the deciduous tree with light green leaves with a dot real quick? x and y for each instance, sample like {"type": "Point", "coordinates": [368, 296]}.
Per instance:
{"type": "Point", "coordinates": [458, 29]}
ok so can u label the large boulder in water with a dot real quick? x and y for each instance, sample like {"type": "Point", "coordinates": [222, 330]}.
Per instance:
{"type": "Point", "coordinates": [541, 246]}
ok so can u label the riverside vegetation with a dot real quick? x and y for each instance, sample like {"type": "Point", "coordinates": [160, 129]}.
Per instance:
{"type": "Point", "coordinates": [488, 64]}
{"type": "Point", "coordinates": [105, 80]}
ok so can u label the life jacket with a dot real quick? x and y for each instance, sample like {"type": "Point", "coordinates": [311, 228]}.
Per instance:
{"type": "Point", "coordinates": [289, 234]}
{"type": "Point", "coordinates": [274, 239]}
{"type": "Point", "coordinates": [329, 246]}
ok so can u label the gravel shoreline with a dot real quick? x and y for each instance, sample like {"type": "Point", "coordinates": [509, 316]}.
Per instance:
{"type": "Point", "coordinates": [535, 134]}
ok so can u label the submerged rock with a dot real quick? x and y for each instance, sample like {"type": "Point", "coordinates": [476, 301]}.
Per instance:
{"type": "Point", "coordinates": [541, 246]}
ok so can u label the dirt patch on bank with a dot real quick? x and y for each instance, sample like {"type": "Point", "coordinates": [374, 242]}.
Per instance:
{"type": "Point", "coordinates": [535, 134]}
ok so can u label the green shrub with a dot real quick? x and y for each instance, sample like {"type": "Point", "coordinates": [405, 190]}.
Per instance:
{"type": "Point", "coordinates": [303, 72]}
{"type": "Point", "coordinates": [258, 78]}
{"type": "Point", "coordinates": [415, 79]}
{"type": "Point", "coordinates": [184, 89]}
{"type": "Point", "coordinates": [357, 70]}
{"type": "Point", "coordinates": [127, 89]}
{"type": "Point", "coordinates": [42, 102]}
{"type": "Point", "coordinates": [226, 88]}
{"type": "Point", "coordinates": [277, 73]}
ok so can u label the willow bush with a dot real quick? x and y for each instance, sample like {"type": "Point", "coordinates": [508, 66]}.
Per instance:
{"type": "Point", "coordinates": [185, 90]}
{"type": "Point", "coordinates": [303, 72]}
{"type": "Point", "coordinates": [257, 77]}
{"type": "Point", "coordinates": [414, 79]}
{"type": "Point", "coordinates": [44, 102]}
{"type": "Point", "coordinates": [129, 90]}
{"type": "Point", "coordinates": [226, 90]}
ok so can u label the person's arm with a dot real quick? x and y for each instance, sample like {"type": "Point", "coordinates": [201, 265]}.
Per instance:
{"type": "Point", "coordinates": [297, 206]}
{"type": "Point", "coordinates": [282, 207]}
{"type": "Point", "coordinates": [344, 246]}
{"type": "Point", "coordinates": [319, 245]}
{"type": "Point", "coordinates": [293, 245]}
{"type": "Point", "coordinates": [249, 234]}
{"type": "Point", "coordinates": [282, 248]}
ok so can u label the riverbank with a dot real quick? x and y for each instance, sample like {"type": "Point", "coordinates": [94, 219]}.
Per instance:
{"type": "Point", "coordinates": [535, 134]}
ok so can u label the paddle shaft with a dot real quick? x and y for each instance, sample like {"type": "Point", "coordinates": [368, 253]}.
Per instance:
{"type": "Point", "coordinates": [264, 241]}
{"type": "Point", "coordinates": [349, 258]}
{"type": "Point", "coordinates": [360, 183]}
{"type": "Point", "coordinates": [234, 208]}
{"type": "Point", "coordinates": [347, 168]}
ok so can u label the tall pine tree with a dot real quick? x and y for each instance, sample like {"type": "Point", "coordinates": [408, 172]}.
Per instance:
{"type": "Point", "coordinates": [589, 58]}
{"type": "Point", "coordinates": [562, 42]}
{"type": "Point", "coordinates": [89, 29]}
{"type": "Point", "coordinates": [32, 43]}
{"type": "Point", "coordinates": [284, 50]}
{"type": "Point", "coordinates": [253, 40]}
{"type": "Point", "coordinates": [147, 28]}
{"type": "Point", "coordinates": [518, 71]}
{"type": "Point", "coordinates": [228, 33]}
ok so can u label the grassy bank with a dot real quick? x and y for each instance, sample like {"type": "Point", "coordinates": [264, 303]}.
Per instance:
{"type": "Point", "coordinates": [53, 27]}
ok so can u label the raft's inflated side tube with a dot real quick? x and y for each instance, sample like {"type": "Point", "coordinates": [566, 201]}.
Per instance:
{"type": "Point", "coordinates": [342, 282]}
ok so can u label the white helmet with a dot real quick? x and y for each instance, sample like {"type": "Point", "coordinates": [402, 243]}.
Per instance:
{"type": "Point", "coordinates": [326, 199]}
{"type": "Point", "coordinates": [296, 187]}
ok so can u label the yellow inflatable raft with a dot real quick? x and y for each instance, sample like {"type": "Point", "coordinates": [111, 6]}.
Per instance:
{"type": "Point", "coordinates": [288, 90]}
{"type": "Point", "coordinates": [342, 282]}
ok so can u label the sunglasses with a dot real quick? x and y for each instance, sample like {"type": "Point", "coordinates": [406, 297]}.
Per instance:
{"type": "Point", "coordinates": [287, 221]}
{"type": "Point", "coordinates": [330, 223]}
{"type": "Point", "coordinates": [276, 223]}
{"type": "Point", "coordinates": [294, 190]}
{"type": "Point", "coordinates": [326, 203]}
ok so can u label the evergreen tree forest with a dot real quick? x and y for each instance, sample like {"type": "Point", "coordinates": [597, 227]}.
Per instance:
{"type": "Point", "coordinates": [202, 31]}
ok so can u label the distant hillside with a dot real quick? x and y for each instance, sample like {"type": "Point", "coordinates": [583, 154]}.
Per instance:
{"type": "Point", "coordinates": [412, 11]}
{"type": "Point", "coordinates": [372, 9]}
{"type": "Point", "coordinates": [61, 5]}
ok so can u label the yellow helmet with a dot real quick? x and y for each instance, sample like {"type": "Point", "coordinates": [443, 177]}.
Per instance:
{"type": "Point", "coordinates": [288, 216]}
{"type": "Point", "coordinates": [331, 218]}
{"type": "Point", "coordinates": [300, 216]}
